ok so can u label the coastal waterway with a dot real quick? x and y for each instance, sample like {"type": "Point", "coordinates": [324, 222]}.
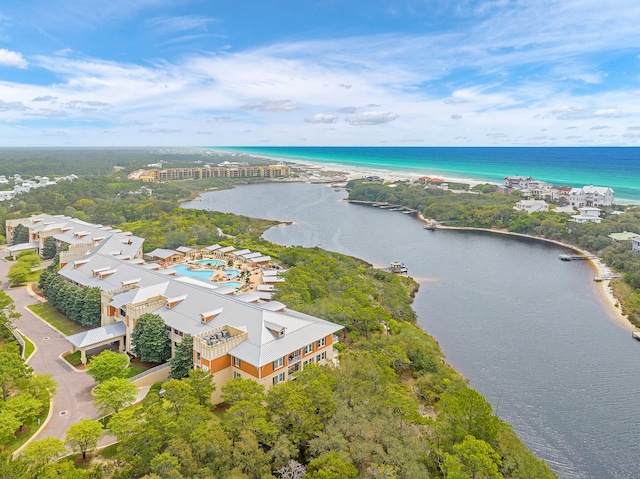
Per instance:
{"type": "Point", "coordinates": [533, 334]}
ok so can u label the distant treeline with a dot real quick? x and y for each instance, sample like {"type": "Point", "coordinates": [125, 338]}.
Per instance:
{"type": "Point", "coordinates": [30, 162]}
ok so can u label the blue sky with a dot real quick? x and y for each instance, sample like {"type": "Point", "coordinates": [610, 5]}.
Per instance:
{"type": "Point", "coordinates": [323, 72]}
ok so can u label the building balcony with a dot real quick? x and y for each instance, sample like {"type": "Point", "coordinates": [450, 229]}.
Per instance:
{"type": "Point", "coordinates": [294, 358]}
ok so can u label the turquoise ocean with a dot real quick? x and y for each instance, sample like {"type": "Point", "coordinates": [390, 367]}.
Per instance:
{"type": "Point", "coordinates": [615, 167]}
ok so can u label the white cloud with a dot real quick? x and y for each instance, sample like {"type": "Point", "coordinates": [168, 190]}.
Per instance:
{"type": "Point", "coordinates": [12, 106]}
{"type": "Point", "coordinates": [48, 113]}
{"type": "Point", "coordinates": [163, 131]}
{"type": "Point", "coordinates": [180, 23]}
{"type": "Point", "coordinates": [578, 113]}
{"type": "Point", "coordinates": [277, 105]}
{"type": "Point", "coordinates": [45, 98]}
{"type": "Point", "coordinates": [430, 79]}
{"type": "Point", "coordinates": [326, 118]}
{"type": "Point", "coordinates": [372, 118]}
{"type": "Point", "coordinates": [9, 58]}
{"type": "Point", "coordinates": [224, 119]}
{"type": "Point", "coordinates": [609, 112]}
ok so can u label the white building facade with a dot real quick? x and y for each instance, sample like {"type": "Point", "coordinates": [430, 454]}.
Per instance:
{"type": "Point", "coordinates": [591, 196]}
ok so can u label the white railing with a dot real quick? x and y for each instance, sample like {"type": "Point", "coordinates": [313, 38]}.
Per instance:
{"type": "Point", "coordinates": [18, 337]}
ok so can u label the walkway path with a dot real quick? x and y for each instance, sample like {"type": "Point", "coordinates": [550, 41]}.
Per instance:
{"type": "Point", "coordinates": [73, 400]}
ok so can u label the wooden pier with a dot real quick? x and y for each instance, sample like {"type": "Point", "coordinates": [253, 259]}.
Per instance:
{"type": "Point", "coordinates": [572, 257]}
{"type": "Point", "coordinates": [607, 277]}
{"type": "Point", "coordinates": [386, 206]}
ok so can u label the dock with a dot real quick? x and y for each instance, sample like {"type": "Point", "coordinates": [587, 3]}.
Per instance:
{"type": "Point", "coordinates": [574, 257]}
{"type": "Point", "coordinates": [607, 277]}
{"type": "Point", "coordinates": [387, 206]}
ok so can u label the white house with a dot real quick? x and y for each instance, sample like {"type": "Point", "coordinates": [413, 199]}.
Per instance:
{"type": "Point", "coordinates": [591, 196]}
{"type": "Point", "coordinates": [635, 243]}
{"type": "Point", "coordinates": [517, 182]}
{"type": "Point", "coordinates": [588, 214]}
{"type": "Point", "coordinates": [531, 206]}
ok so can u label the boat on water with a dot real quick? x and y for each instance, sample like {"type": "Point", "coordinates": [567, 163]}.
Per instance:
{"type": "Point", "coordinates": [398, 267]}
{"type": "Point", "coordinates": [431, 225]}
{"type": "Point", "coordinates": [636, 335]}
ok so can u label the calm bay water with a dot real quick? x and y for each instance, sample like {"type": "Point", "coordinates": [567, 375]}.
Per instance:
{"type": "Point", "coordinates": [615, 167]}
{"type": "Point", "coordinates": [530, 332]}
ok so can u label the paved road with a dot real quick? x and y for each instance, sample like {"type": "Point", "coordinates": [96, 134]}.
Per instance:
{"type": "Point", "coordinates": [73, 400]}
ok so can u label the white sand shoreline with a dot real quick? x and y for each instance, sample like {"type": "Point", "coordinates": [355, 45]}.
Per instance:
{"type": "Point", "coordinates": [330, 171]}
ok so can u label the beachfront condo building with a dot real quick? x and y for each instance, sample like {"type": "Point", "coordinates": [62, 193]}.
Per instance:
{"type": "Point", "coordinates": [235, 171]}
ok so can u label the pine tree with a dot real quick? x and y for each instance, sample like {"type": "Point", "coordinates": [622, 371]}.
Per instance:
{"type": "Point", "coordinates": [182, 361]}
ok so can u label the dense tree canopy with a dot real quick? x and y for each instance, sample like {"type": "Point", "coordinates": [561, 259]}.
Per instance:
{"type": "Point", "coordinates": [150, 339]}
{"type": "Point", "coordinates": [108, 365]}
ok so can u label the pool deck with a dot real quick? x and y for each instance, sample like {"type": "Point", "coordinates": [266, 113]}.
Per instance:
{"type": "Point", "coordinates": [218, 274]}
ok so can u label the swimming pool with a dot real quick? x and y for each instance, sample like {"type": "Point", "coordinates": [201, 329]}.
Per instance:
{"type": "Point", "coordinates": [183, 270]}
{"type": "Point", "coordinates": [233, 284]}
{"type": "Point", "coordinates": [232, 272]}
{"type": "Point", "coordinates": [212, 262]}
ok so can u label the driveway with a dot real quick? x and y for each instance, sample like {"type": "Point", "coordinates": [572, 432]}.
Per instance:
{"type": "Point", "coordinates": [73, 400]}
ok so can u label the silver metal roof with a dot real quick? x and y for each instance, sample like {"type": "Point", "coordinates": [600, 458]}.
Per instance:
{"type": "Point", "coordinates": [261, 346]}
{"type": "Point", "coordinates": [98, 335]}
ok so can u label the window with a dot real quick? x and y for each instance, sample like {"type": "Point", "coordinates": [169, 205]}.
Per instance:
{"type": "Point", "coordinates": [321, 357]}
{"type": "Point", "coordinates": [321, 342]}
{"type": "Point", "coordinates": [278, 379]}
{"type": "Point", "coordinates": [278, 363]}
{"type": "Point", "coordinates": [236, 362]}
{"type": "Point", "coordinates": [308, 361]}
{"type": "Point", "coordinates": [236, 374]}
{"type": "Point", "coordinates": [308, 349]}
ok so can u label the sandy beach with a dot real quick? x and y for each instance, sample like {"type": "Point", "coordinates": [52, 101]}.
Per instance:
{"type": "Point", "coordinates": [335, 173]}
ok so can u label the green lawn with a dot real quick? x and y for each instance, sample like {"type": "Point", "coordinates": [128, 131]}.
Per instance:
{"type": "Point", "coordinates": [74, 359]}
{"type": "Point", "coordinates": [134, 369]}
{"type": "Point", "coordinates": [56, 319]}
{"type": "Point", "coordinates": [29, 348]}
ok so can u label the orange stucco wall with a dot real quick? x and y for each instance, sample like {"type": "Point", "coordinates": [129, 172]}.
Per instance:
{"type": "Point", "coordinates": [249, 369]}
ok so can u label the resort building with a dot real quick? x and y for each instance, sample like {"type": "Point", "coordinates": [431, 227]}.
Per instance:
{"type": "Point", "coordinates": [531, 206]}
{"type": "Point", "coordinates": [226, 171]}
{"type": "Point", "coordinates": [635, 243]}
{"type": "Point", "coordinates": [235, 335]}
{"type": "Point", "coordinates": [588, 215]}
{"type": "Point", "coordinates": [74, 235]}
{"type": "Point", "coordinates": [591, 196]}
